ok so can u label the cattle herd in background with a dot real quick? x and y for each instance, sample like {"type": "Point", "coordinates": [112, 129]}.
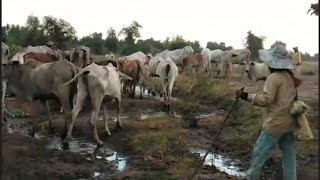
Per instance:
{"type": "Point", "coordinates": [40, 73]}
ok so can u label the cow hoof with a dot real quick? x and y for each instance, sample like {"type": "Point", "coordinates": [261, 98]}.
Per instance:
{"type": "Point", "coordinates": [51, 130]}
{"type": "Point", "coordinates": [67, 139]}
{"type": "Point", "coordinates": [118, 126]}
{"type": "Point", "coordinates": [99, 143]}
{"type": "Point", "coordinates": [108, 133]}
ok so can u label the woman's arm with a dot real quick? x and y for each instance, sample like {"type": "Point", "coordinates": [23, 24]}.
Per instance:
{"type": "Point", "coordinates": [269, 92]}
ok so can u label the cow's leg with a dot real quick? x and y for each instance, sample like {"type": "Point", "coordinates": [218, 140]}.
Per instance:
{"type": "Point", "coordinates": [118, 113]}
{"type": "Point", "coordinates": [50, 117]}
{"type": "Point", "coordinates": [141, 90]}
{"type": "Point", "coordinates": [82, 93]}
{"type": "Point", "coordinates": [230, 70]}
{"type": "Point", "coordinates": [133, 90]}
{"type": "Point", "coordinates": [164, 90]}
{"type": "Point", "coordinates": [105, 119]}
{"type": "Point", "coordinates": [96, 99]}
{"type": "Point", "coordinates": [35, 114]}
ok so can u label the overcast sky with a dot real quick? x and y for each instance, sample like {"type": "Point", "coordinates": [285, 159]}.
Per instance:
{"type": "Point", "coordinates": [204, 20]}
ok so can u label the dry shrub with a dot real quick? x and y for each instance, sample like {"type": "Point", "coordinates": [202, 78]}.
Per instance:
{"type": "Point", "coordinates": [308, 68]}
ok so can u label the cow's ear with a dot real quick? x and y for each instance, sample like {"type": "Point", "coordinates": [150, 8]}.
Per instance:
{"type": "Point", "coordinates": [252, 63]}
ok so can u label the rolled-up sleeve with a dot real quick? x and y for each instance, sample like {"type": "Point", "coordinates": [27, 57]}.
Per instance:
{"type": "Point", "coordinates": [269, 93]}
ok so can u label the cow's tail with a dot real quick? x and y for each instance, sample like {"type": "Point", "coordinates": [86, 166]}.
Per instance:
{"type": "Point", "coordinates": [141, 70]}
{"type": "Point", "coordinates": [82, 71]}
{"type": "Point", "coordinates": [168, 67]}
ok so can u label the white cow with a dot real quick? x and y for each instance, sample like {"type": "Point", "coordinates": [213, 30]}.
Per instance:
{"type": "Point", "coordinates": [178, 54]}
{"type": "Point", "coordinates": [234, 56]}
{"type": "Point", "coordinates": [153, 64]}
{"type": "Point", "coordinates": [258, 71]}
{"type": "Point", "coordinates": [4, 53]}
{"type": "Point", "coordinates": [109, 57]}
{"type": "Point", "coordinates": [206, 59]}
{"type": "Point", "coordinates": [168, 72]}
{"type": "Point", "coordinates": [216, 56]}
{"type": "Point", "coordinates": [18, 57]}
{"type": "Point", "coordinates": [38, 49]}
{"type": "Point", "coordinates": [5, 61]}
{"type": "Point", "coordinates": [140, 56]}
{"type": "Point", "coordinates": [102, 81]}
{"type": "Point", "coordinates": [162, 54]}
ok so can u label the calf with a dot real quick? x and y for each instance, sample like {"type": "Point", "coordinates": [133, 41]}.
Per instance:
{"type": "Point", "coordinates": [257, 71]}
{"type": "Point", "coordinates": [137, 72]}
{"type": "Point", "coordinates": [193, 61]}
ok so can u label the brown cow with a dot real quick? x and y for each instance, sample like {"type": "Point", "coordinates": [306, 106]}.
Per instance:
{"type": "Point", "coordinates": [138, 73]}
{"type": "Point", "coordinates": [34, 80]}
{"type": "Point", "coordinates": [41, 57]}
{"type": "Point", "coordinates": [193, 61]}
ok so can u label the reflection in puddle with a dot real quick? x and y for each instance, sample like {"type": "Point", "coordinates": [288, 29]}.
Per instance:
{"type": "Point", "coordinates": [205, 115]}
{"type": "Point", "coordinates": [220, 162]}
{"type": "Point", "coordinates": [121, 161]}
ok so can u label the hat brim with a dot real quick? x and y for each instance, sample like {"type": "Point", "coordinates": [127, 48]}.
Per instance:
{"type": "Point", "coordinates": [275, 62]}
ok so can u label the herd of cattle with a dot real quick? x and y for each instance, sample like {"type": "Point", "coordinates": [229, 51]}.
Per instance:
{"type": "Point", "coordinates": [40, 73]}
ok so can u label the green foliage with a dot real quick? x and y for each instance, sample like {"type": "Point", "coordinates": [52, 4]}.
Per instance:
{"type": "Point", "coordinates": [95, 42]}
{"type": "Point", "coordinates": [58, 31]}
{"type": "Point", "coordinates": [215, 45]}
{"type": "Point", "coordinates": [112, 41]}
{"type": "Point", "coordinates": [314, 9]}
{"type": "Point", "coordinates": [254, 43]}
{"type": "Point", "coordinates": [131, 32]}
{"type": "Point", "coordinates": [277, 43]}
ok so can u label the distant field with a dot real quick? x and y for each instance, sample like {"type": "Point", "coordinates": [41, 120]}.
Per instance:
{"type": "Point", "coordinates": [98, 58]}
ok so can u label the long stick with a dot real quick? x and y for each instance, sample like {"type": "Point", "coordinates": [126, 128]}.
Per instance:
{"type": "Point", "coordinates": [214, 139]}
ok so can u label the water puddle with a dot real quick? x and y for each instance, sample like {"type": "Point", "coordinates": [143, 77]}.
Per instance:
{"type": "Point", "coordinates": [205, 115]}
{"type": "Point", "coordinates": [145, 94]}
{"type": "Point", "coordinates": [84, 147]}
{"type": "Point", "coordinates": [77, 145]}
{"type": "Point", "coordinates": [222, 163]}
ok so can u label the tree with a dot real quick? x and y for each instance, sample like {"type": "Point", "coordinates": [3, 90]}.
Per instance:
{"type": "Point", "coordinates": [314, 9]}
{"type": "Point", "coordinates": [195, 46]}
{"type": "Point", "coordinates": [34, 34]}
{"type": "Point", "coordinates": [215, 45]}
{"type": "Point", "coordinates": [59, 31]}
{"type": "Point", "coordinates": [112, 42]}
{"type": "Point", "coordinates": [253, 43]}
{"type": "Point", "coordinates": [131, 32]}
{"type": "Point", "coordinates": [277, 43]}
{"type": "Point", "coordinates": [177, 42]}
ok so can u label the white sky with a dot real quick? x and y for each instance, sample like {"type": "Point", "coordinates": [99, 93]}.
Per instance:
{"type": "Point", "coordinates": [204, 20]}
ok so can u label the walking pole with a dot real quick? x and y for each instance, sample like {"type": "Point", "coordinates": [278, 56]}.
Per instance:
{"type": "Point", "coordinates": [214, 139]}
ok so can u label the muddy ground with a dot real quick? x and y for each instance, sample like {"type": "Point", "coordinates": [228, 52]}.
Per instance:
{"type": "Point", "coordinates": [150, 145]}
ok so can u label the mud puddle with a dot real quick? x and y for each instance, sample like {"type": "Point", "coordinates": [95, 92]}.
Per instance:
{"type": "Point", "coordinates": [145, 94]}
{"type": "Point", "coordinates": [92, 152]}
{"type": "Point", "coordinates": [222, 163]}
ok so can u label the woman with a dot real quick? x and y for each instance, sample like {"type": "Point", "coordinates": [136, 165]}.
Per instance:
{"type": "Point", "coordinates": [278, 125]}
